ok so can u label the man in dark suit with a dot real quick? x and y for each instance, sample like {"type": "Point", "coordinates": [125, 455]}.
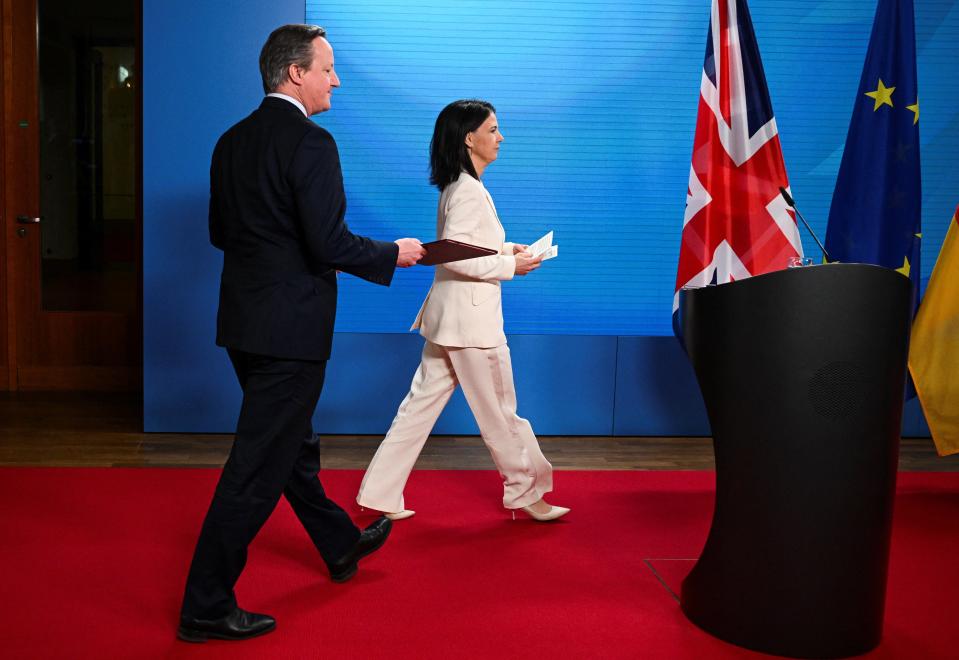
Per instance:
{"type": "Point", "coordinates": [276, 211]}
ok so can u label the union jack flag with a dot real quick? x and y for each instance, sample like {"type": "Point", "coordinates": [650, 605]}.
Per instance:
{"type": "Point", "coordinates": [737, 223]}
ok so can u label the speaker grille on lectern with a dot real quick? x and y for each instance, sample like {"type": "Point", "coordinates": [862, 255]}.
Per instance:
{"type": "Point", "coordinates": [836, 390]}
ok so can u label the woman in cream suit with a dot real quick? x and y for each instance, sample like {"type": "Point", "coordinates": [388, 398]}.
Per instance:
{"type": "Point", "coordinates": [462, 322]}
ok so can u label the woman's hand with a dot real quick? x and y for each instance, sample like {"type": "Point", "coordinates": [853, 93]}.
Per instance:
{"type": "Point", "coordinates": [517, 248]}
{"type": "Point", "coordinates": [526, 263]}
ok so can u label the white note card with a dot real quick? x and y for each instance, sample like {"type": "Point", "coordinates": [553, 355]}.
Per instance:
{"type": "Point", "coordinates": [544, 247]}
{"type": "Point", "coordinates": [550, 252]}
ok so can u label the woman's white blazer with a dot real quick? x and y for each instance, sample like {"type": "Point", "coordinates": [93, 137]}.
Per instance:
{"type": "Point", "coordinates": [463, 307]}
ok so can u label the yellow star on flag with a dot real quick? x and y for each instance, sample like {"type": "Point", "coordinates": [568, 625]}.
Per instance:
{"type": "Point", "coordinates": [915, 109]}
{"type": "Point", "coordinates": [905, 267]}
{"type": "Point", "coordinates": [882, 95]}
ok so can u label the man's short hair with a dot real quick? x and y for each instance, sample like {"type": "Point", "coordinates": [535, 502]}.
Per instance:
{"type": "Point", "coordinates": [286, 45]}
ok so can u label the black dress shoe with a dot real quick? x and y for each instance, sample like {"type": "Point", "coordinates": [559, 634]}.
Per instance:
{"type": "Point", "coordinates": [238, 624]}
{"type": "Point", "coordinates": [370, 541]}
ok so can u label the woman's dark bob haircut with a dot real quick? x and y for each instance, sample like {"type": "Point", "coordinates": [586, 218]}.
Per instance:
{"type": "Point", "coordinates": [448, 153]}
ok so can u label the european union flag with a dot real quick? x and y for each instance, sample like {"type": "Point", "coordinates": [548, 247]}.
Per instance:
{"type": "Point", "coordinates": [875, 210]}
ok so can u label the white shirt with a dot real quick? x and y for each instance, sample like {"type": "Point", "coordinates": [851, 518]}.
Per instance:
{"type": "Point", "coordinates": [291, 100]}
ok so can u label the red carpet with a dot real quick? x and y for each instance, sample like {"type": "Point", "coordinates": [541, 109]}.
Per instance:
{"type": "Point", "coordinates": [94, 562]}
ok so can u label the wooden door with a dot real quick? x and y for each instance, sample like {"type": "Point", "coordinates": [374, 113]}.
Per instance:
{"type": "Point", "coordinates": [71, 210]}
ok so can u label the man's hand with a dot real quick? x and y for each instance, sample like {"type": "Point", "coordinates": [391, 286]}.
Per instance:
{"type": "Point", "coordinates": [525, 263]}
{"type": "Point", "coordinates": [411, 251]}
{"type": "Point", "coordinates": [517, 248]}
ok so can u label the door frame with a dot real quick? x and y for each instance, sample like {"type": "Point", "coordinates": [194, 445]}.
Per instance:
{"type": "Point", "coordinates": [19, 278]}
{"type": "Point", "coordinates": [7, 347]}
{"type": "Point", "coordinates": [11, 15]}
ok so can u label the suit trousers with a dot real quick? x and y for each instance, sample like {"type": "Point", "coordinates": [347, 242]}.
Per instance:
{"type": "Point", "coordinates": [274, 453]}
{"type": "Point", "coordinates": [486, 376]}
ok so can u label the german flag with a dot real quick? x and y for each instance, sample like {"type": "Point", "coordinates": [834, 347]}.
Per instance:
{"type": "Point", "coordinates": [934, 348]}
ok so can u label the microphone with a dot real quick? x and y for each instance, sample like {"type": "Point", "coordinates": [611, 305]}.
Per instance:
{"type": "Point", "coordinates": [792, 204]}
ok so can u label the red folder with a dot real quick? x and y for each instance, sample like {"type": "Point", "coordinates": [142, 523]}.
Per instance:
{"type": "Point", "coordinates": [446, 250]}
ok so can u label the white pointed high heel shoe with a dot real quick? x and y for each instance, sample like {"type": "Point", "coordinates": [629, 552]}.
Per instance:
{"type": "Point", "coordinates": [400, 515]}
{"type": "Point", "coordinates": [554, 513]}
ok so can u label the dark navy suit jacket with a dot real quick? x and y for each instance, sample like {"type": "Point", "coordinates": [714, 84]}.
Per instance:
{"type": "Point", "coordinates": [276, 211]}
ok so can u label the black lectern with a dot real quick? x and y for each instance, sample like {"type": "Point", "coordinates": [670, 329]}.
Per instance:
{"type": "Point", "coordinates": [802, 372]}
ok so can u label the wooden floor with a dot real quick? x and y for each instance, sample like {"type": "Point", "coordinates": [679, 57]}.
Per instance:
{"type": "Point", "coordinates": [60, 429]}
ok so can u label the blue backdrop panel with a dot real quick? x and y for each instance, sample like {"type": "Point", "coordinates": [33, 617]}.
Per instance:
{"type": "Point", "coordinates": [366, 378]}
{"type": "Point", "coordinates": [597, 100]}
{"type": "Point", "coordinates": [564, 385]}
{"type": "Point", "coordinates": [656, 390]}
{"type": "Point", "coordinates": [913, 421]}
{"type": "Point", "coordinates": [200, 76]}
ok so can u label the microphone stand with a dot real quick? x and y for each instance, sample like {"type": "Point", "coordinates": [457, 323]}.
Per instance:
{"type": "Point", "coordinates": [792, 205]}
